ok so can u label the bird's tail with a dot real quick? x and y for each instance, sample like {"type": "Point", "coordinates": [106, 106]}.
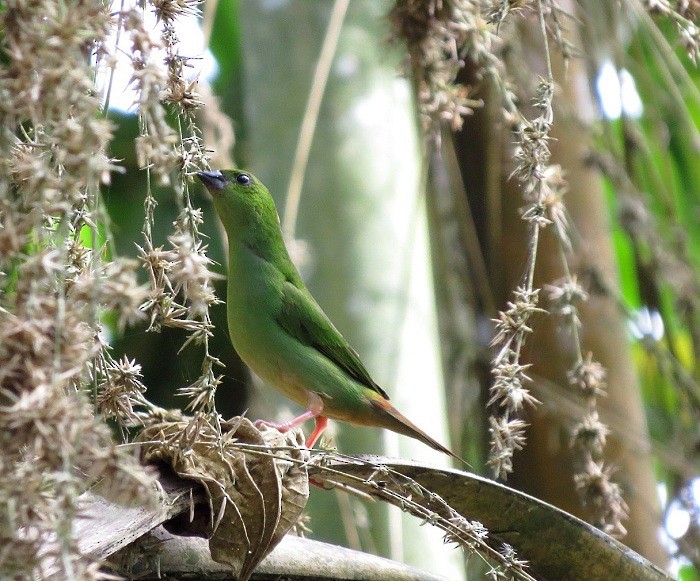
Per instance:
{"type": "Point", "coordinates": [397, 422]}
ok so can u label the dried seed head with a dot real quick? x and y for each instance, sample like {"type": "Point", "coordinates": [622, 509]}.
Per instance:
{"type": "Point", "coordinates": [508, 390]}
{"type": "Point", "coordinates": [563, 295]}
{"type": "Point", "coordinates": [507, 436]}
{"type": "Point", "coordinates": [589, 435]}
{"type": "Point", "coordinates": [121, 390]}
{"type": "Point", "coordinates": [589, 376]}
{"type": "Point", "coordinates": [603, 496]}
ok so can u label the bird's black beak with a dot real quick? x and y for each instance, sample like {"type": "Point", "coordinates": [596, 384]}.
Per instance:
{"type": "Point", "coordinates": [214, 180]}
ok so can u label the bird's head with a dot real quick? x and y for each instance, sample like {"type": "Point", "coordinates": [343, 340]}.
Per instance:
{"type": "Point", "coordinates": [240, 199]}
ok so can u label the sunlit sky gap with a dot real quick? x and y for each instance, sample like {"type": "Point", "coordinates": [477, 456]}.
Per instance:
{"type": "Point", "coordinates": [617, 93]}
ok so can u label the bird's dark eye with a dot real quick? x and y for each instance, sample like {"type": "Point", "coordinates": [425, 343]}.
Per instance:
{"type": "Point", "coordinates": [243, 179]}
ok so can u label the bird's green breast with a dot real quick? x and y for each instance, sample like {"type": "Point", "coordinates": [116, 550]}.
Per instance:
{"type": "Point", "coordinates": [254, 303]}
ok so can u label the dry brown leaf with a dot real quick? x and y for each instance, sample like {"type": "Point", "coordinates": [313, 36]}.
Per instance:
{"type": "Point", "coordinates": [256, 493]}
{"type": "Point", "coordinates": [294, 477]}
{"type": "Point", "coordinates": [256, 496]}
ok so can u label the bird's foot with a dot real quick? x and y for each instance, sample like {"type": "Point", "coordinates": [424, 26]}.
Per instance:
{"type": "Point", "coordinates": [314, 412]}
{"type": "Point", "coordinates": [284, 427]}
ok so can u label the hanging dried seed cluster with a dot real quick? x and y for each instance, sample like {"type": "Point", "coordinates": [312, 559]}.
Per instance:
{"type": "Point", "coordinates": [55, 284]}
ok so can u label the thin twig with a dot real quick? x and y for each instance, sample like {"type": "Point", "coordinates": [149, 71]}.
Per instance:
{"type": "Point", "coordinates": [310, 119]}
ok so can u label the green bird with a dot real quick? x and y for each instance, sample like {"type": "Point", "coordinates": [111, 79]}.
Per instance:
{"type": "Point", "coordinates": [280, 331]}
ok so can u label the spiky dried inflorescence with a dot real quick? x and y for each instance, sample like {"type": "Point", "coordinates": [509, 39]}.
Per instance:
{"type": "Point", "coordinates": [592, 476]}
{"type": "Point", "coordinates": [439, 36]}
{"type": "Point", "coordinates": [121, 390]}
{"type": "Point", "coordinates": [181, 284]}
{"type": "Point", "coordinates": [508, 390]}
{"type": "Point", "coordinates": [169, 10]}
{"type": "Point", "coordinates": [500, 10]}
{"type": "Point", "coordinates": [189, 270]}
{"type": "Point", "coordinates": [508, 393]}
{"type": "Point", "coordinates": [113, 285]}
{"type": "Point", "coordinates": [589, 435]}
{"type": "Point", "coordinates": [589, 376]}
{"type": "Point", "coordinates": [52, 162]}
{"type": "Point", "coordinates": [507, 436]}
{"type": "Point", "coordinates": [563, 295]}
{"type": "Point", "coordinates": [181, 293]}
{"type": "Point", "coordinates": [155, 146]}
{"type": "Point", "coordinates": [603, 496]}
{"type": "Point", "coordinates": [459, 30]}
{"type": "Point", "coordinates": [512, 324]}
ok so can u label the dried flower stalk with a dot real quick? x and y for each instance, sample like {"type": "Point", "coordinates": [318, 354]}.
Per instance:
{"type": "Point", "coordinates": [55, 286]}
{"type": "Point", "coordinates": [439, 36]}
{"type": "Point", "coordinates": [180, 280]}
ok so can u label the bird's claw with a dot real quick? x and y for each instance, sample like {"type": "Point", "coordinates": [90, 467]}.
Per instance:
{"type": "Point", "coordinates": [281, 427]}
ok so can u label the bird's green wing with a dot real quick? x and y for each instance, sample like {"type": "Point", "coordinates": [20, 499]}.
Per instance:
{"type": "Point", "coordinates": [303, 319]}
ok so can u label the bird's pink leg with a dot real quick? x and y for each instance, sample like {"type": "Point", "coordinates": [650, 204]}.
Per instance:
{"type": "Point", "coordinates": [321, 424]}
{"type": "Point", "coordinates": [315, 409]}
{"type": "Point", "coordinates": [286, 426]}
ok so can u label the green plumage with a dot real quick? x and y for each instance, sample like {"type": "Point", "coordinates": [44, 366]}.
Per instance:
{"type": "Point", "coordinates": [277, 327]}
